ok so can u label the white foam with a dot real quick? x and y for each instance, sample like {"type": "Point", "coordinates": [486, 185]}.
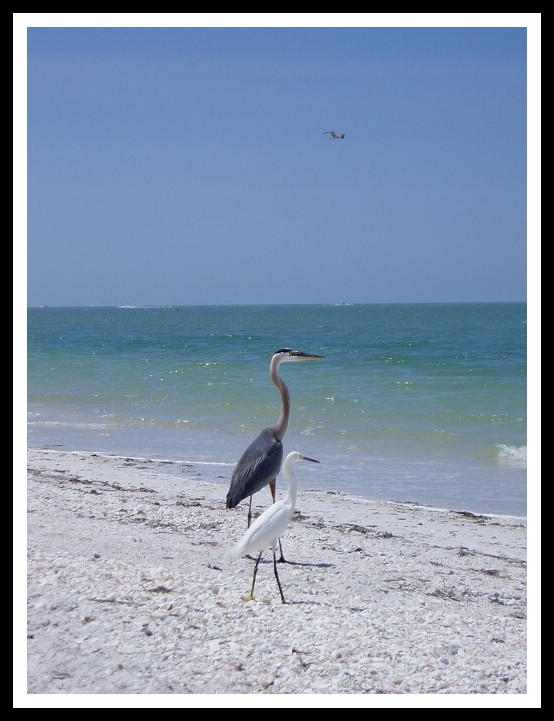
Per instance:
{"type": "Point", "coordinates": [512, 455]}
{"type": "Point", "coordinates": [70, 424]}
{"type": "Point", "coordinates": [134, 458]}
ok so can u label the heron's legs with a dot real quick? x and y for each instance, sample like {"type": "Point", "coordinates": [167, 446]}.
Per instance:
{"type": "Point", "coordinates": [251, 596]}
{"type": "Point", "coordinates": [277, 577]}
{"type": "Point", "coordinates": [272, 489]}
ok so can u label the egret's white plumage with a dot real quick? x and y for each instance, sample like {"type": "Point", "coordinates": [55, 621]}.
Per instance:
{"type": "Point", "coordinates": [265, 530]}
{"type": "Point", "coordinates": [269, 526]}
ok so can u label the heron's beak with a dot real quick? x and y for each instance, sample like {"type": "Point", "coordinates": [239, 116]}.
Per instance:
{"type": "Point", "coordinates": [305, 356]}
{"type": "Point", "coordinates": [305, 458]}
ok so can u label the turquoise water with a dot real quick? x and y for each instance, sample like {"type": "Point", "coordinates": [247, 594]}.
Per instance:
{"type": "Point", "coordinates": [424, 403]}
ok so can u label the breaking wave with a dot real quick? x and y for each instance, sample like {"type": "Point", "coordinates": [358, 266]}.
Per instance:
{"type": "Point", "coordinates": [512, 455]}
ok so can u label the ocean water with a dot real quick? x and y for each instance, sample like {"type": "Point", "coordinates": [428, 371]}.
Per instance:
{"type": "Point", "coordinates": [420, 403]}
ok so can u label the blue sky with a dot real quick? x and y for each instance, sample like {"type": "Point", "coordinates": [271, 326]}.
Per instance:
{"type": "Point", "coordinates": [188, 165]}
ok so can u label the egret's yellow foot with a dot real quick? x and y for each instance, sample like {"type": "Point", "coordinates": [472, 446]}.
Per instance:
{"type": "Point", "coordinates": [250, 597]}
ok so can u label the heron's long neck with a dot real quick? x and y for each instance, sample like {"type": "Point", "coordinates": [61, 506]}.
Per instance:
{"type": "Point", "coordinates": [283, 421]}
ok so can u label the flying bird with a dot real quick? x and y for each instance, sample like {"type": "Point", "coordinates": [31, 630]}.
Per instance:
{"type": "Point", "coordinates": [333, 135]}
{"type": "Point", "coordinates": [267, 528]}
{"type": "Point", "coordinates": [260, 463]}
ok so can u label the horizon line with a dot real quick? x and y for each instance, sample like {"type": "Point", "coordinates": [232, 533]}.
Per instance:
{"type": "Point", "coordinates": [130, 306]}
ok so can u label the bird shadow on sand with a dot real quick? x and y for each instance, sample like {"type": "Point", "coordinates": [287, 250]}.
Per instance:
{"type": "Point", "coordinates": [306, 563]}
{"type": "Point", "coordinates": [293, 563]}
{"type": "Point", "coordinates": [356, 609]}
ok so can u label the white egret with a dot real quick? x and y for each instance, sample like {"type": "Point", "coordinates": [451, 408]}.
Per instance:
{"type": "Point", "coordinates": [267, 528]}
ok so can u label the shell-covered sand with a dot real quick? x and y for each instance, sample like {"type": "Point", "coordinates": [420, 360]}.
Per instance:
{"type": "Point", "coordinates": [129, 593]}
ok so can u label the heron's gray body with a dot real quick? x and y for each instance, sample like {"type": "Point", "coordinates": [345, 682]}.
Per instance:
{"type": "Point", "coordinates": [259, 465]}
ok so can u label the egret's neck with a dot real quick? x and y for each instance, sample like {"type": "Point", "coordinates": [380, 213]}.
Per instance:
{"type": "Point", "coordinates": [291, 494]}
{"type": "Point", "coordinates": [283, 421]}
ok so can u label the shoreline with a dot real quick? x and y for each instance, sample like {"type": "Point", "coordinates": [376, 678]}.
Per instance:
{"type": "Point", "coordinates": [347, 494]}
{"type": "Point", "coordinates": [128, 591]}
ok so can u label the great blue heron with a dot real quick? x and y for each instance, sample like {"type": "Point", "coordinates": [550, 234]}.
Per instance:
{"type": "Point", "coordinates": [333, 135]}
{"type": "Point", "coordinates": [261, 461]}
{"type": "Point", "coordinates": [267, 528]}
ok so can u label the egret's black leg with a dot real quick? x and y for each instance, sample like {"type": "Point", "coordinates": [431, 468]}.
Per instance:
{"type": "Point", "coordinates": [272, 489]}
{"type": "Point", "coordinates": [248, 525]}
{"type": "Point", "coordinates": [277, 577]}
{"type": "Point", "coordinates": [282, 559]}
{"type": "Point", "coordinates": [251, 596]}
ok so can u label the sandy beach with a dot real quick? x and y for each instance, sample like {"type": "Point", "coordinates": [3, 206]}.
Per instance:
{"type": "Point", "coordinates": [129, 592]}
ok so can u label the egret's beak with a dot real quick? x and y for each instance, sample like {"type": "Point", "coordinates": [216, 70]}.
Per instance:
{"type": "Point", "coordinates": [313, 460]}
